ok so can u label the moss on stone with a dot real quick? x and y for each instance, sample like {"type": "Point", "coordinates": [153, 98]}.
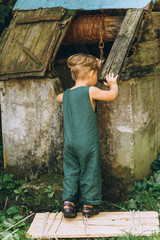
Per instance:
{"type": "Point", "coordinates": [115, 186]}
{"type": "Point", "coordinates": [37, 198]}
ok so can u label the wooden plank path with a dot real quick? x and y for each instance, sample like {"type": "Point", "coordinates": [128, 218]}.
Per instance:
{"type": "Point", "coordinates": [106, 224]}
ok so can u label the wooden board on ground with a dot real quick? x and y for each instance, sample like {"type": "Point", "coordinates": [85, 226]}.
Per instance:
{"type": "Point", "coordinates": [106, 224]}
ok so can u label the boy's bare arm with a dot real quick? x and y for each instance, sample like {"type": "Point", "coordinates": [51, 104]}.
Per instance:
{"type": "Point", "coordinates": [106, 95]}
{"type": "Point", "coordinates": [59, 98]}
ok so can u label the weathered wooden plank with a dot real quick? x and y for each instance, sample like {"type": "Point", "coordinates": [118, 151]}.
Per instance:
{"type": "Point", "coordinates": [54, 43]}
{"type": "Point", "coordinates": [32, 45]}
{"type": "Point", "coordinates": [47, 41]}
{"type": "Point", "coordinates": [11, 52]}
{"type": "Point", "coordinates": [40, 12]}
{"type": "Point", "coordinates": [5, 34]}
{"type": "Point", "coordinates": [22, 55]}
{"type": "Point", "coordinates": [40, 47]}
{"type": "Point", "coordinates": [149, 27]}
{"type": "Point", "coordinates": [28, 43]}
{"type": "Point", "coordinates": [43, 50]}
{"type": "Point", "coordinates": [26, 14]}
{"type": "Point", "coordinates": [122, 42]}
{"type": "Point", "coordinates": [145, 53]}
{"type": "Point", "coordinates": [106, 224]}
{"type": "Point", "coordinates": [9, 41]}
{"type": "Point", "coordinates": [141, 72]}
{"type": "Point", "coordinates": [16, 74]}
{"type": "Point", "coordinates": [155, 18]}
{"type": "Point", "coordinates": [65, 29]}
{"type": "Point", "coordinates": [55, 17]}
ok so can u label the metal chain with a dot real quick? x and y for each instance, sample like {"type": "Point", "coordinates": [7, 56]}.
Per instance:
{"type": "Point", "coordinates": [101, 42]}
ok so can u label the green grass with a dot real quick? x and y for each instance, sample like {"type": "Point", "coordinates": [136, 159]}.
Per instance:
{"type": "Point", "coordinates": [131, 237]}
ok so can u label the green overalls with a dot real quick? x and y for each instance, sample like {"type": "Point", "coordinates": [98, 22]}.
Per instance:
{"type": "Point", "coordinates": [81, 149]}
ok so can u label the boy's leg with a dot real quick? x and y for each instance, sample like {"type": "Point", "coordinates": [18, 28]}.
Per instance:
{"type": "Point", "coordinates": [90, 177]}
{"type": "Point", "coordinates": [71, 176]}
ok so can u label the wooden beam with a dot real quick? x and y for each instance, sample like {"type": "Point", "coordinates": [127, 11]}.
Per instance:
{"type": "Point", "coordinates": [54, 17]}
{"type": "Point", "coordinates": [65, 25]}
{"type": "Point", "coordinates": [122, 42]}
{"type": "Point", "coordinates": [86, 29]}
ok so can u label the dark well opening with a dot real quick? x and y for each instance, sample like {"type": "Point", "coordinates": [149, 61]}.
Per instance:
{"type": "Point", "coordinates": [67, 50]}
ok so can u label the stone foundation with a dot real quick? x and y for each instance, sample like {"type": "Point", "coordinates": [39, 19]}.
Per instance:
{"type": "Point", "coordinates": [32, 127]}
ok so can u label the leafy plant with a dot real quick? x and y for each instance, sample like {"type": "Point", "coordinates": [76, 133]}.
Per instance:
{"type": "Point", "coordinates": [21, 194]}
{"type": "Point", "coordinates": [140, 186]}
{"type": "Point", "coordinates": [156, 163]}
{"type": "Point", "coordinates": [8, 224]}
{"type": "Point", "coordinates": [154, 181]}
{"type": "Point", "coordinates": [49, 191]}
{"type": "Point", "coordinates": [59, 205]}
{"type": "Point", "coordinates": [145, 195]}
{"type": "Point", "coordinates": [7, 182]}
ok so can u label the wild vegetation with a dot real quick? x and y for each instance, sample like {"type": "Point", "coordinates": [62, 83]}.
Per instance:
{"type": "Point", "coordinates": [14, 220]}
{"type": "Point", "coordinates": [10, 216]}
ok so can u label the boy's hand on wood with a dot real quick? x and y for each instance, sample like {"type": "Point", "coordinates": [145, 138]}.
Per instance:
{"type": "Point", "coordinates": [110, 79]}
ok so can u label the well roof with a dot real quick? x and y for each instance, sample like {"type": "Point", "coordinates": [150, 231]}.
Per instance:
{"type": "Point", "coordinates": [81, 4]}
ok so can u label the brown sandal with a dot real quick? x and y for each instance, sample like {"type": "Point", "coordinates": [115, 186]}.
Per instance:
{"type": "Point", "coordinates": [90, 211]}
{"type": "Point", "coordinates": [69, 212]}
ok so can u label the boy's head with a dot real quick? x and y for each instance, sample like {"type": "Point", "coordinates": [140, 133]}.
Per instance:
{"type": "Point", "coordinates": [81, 63]}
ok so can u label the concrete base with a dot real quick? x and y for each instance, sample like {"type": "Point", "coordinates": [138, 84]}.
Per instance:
{"type": "Point", "coordinates": [129, 131]}
{"type": "Point", "coordinates": [32, 127]}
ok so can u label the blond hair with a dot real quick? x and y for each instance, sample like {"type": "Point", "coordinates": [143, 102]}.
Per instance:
{"type": "Point", "coordinates": [81, 63]}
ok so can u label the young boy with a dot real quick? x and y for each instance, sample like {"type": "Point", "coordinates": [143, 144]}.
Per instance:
{"type": "Point", "coordinates": [81, 149]}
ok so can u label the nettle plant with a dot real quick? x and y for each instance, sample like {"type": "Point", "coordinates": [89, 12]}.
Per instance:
{"type": "Point", "coordinates": [8, 182]}
{"type": "Point", "coordinates": [145, 195]}
{"type": "Point", "coordinates": [13, 223]}
{"type": "Point", "coordinates": [9, 229]}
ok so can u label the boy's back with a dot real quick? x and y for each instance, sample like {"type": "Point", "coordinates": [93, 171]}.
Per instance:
{"type": "Point", "coordinates": [80, 120]}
